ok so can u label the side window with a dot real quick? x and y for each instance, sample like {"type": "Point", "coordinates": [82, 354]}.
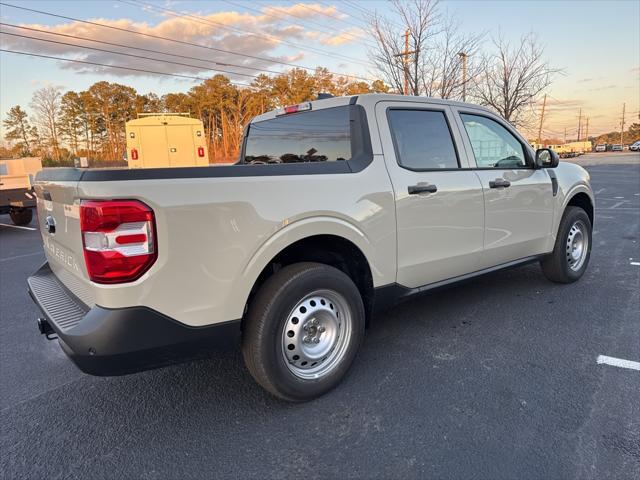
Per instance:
{"type": "Point", "coordinates": [493, 145]}
{"type": "Point", "coordinates": [422, 139]}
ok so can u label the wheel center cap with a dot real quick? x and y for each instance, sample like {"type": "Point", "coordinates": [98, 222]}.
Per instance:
{"type": "Point", "coordinates": [313, 330]}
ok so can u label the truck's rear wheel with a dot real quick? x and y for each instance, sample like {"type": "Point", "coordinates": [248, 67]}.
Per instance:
{"type": "Point", "coordinates": [572, 250]}
{"type": "Point", "coordinates": [303, 330]}
{"type": "Point", "coordinates": [21, 216]}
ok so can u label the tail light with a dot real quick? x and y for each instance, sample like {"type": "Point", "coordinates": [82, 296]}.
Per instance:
{"type": "Point", "coordinates": [134, 154]}
{"type": "Point", "coordinates": [119, 239]}
{"type": "Point", "coordinates": [201, 151]}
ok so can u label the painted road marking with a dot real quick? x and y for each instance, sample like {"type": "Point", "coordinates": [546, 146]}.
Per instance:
{"type": "Point", "coordinates": [21, 256]}
{"type": "Point", "coordinates": [600, 191]}
{"type": "Point", "coordinates": [617, 205]}
{"type": "Point", "coordinates": [635, 263]}
{"type": "Point", "coordinates": [16, 226]}
{"type": "Point", "coordinates": [618, 197]}
{"type": "Point", "coordinates": [618, 362]}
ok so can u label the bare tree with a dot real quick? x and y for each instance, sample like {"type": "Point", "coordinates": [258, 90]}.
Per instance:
{"type": "Point", "coordinates": [435, 43]}
{"type": "Point", "coordinates": [443, 76]}
{"type": "Point", "coordinates": [513, 78]}
{"type": "Point", "coordinates": [46, 108]}
{"type": "Point", "coordinates": [422, 22]}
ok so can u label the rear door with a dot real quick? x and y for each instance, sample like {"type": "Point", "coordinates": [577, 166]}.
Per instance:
{"type": "Point", "coordinates": [518, 197]}
{"type": "Point", "coordinates": [153, 146]}
{"type": "Point", "coordinates": [439, 202]}
{"type": "Point", "coordinates": [182, 151]}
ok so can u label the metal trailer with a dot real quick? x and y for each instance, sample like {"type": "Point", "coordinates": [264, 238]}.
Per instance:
{"type": "Point", "coordinates": [16, 191]}
{"type": "Point", "coordinates": [157, 140]}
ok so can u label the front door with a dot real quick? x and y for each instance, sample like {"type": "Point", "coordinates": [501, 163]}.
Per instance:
{"type": "Point", "coordinates": [439, 201]}
{"type": "Point", "coordinates": [518, 198]}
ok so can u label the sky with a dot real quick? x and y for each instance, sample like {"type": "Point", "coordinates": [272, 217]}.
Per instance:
{"type": "Point", "coordinates": [596, 44]}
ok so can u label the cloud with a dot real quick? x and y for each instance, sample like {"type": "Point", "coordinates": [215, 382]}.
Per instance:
{"type": "Point", "coordinates": [604, 87]}
{"type": "Point", "coordinates": [224, 33]}
{"type": "Point", "coordinates": [348, 36]}
{"type": "Point", "coordinates": [555, 105]}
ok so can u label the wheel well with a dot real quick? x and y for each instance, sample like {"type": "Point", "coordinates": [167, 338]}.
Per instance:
{"type": "Point", "coordinates": [330, 250]}
{"type": "Point", "coordinates": [583, 201]}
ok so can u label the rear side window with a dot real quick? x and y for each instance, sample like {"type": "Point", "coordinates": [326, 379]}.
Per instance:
{"type": "Point", "coordinates": [315, 136]}
{"type": "Point", "coordinates": [422, 139]}
{"type": "Point", "coordinates": [493, 145]}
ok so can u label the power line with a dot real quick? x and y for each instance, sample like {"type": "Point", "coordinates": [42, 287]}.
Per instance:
{"type": "Point", "coordinates": [224, 64]}
{"type": "Point", "coordinates": [368, 13]}
{"type": "Point", "coordinates": [181, 42]}
{"type": "Point", "coordinates": [113, 66]}
{"type": "Point", "coordinates": [333, 16]}
{"type": "Point", "coordinates": [351, 35]}
{"type": "Point", "coordinates": [201, 20]}
{"type": "Point", "coordinates": [126, 54]}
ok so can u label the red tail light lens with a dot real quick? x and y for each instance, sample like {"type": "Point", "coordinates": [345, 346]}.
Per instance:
{"type": "Point", "coordinates": [119, 239]}
{"type": "Point", "coordinates": [201, 151]}
{"type": "Point", "coordinates": [134, 154]}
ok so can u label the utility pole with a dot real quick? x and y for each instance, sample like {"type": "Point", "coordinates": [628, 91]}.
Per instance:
{"type": "Point", "coordinates": [463, 57]}
{"type": "Point", "coordinates": [579, 124]}
{"type": "Point", "coordinates": [544, 104]}
{"type": "Point", "coordinates": [405, 60]}
{"type": "Point", "coordinates": [622, 126]}
{"type": "Point", "coordinates": [565, 135]}
{"type": "Point", "coordinates": [586, 136]}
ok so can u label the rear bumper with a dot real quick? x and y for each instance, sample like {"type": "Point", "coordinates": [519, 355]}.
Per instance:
{"type": "Point", "coordinates": [103, 341]}
{"type": "Point", "coordinates": [17, 198]}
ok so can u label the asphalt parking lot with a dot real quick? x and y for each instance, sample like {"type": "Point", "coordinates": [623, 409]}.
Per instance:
{"type": "Point", "coordinates": [496, 378]}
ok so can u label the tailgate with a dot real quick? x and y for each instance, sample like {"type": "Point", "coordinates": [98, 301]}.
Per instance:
{"type": "Point", "coordinates": [59, 217]}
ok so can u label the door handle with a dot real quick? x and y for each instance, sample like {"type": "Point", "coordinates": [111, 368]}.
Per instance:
{"type": "Point", "coordinates": [417, 189]}
{"type": "Point", "coordinates": [499, 183]}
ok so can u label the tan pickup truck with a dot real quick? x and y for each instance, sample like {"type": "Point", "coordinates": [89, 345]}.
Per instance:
{"type": "Point", "coordinates": [337, 208]}
{"type": "Point", "coordinates": [16, 192]}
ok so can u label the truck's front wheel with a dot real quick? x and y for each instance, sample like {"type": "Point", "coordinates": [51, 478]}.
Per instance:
{"type": "Point", "coordinates": [303, 330]}
{"type": "Point", "coordinates": [572, 250]}
{"type": "Point", "coordinates": [21, 216]}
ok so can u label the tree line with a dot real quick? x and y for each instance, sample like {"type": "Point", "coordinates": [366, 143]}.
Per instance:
{"type": "Point", "coordinates": [91, 123]}
{"type": "Point", "coordinates": [427, 53]}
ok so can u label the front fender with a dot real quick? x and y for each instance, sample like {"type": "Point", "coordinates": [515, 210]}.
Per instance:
{"type": "Point", "coordinates": [572, 180]}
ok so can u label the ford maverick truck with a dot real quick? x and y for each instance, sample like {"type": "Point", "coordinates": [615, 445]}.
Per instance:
{"type": "Point", "coordinates": [336, 209]}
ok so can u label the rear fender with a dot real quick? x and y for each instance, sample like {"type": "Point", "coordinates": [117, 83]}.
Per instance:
{"type": "Point", "coordinates": [294, 232]}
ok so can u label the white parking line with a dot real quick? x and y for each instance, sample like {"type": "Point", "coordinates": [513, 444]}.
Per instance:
{"type": "Point", "coordinates": [617, 205]}
{"type": "Point", "coordinates": [16, 226]}
{"type": "Point", "coordinates": [600, 191]}
{"type": "Point", "coordinates": [21, 256]}
{"type": "Point", "coordinates": [618, 362]}
{"type": "Point", "coordinates": [635, 263]}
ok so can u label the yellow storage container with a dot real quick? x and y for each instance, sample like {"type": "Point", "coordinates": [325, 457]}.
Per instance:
{"type": "Point", "coordinates": [156, 140]}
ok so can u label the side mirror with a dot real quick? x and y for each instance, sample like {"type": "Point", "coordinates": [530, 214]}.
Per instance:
{"type": "Point", "coordinates": [546, 158]}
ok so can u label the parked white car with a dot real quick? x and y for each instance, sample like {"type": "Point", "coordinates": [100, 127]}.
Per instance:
{"type": "Point", "coordinates": [337, 208]}
{"type": "Point", "coordinates": [634, 147]}
{"type": "Point", "coordinates": [601, 147]}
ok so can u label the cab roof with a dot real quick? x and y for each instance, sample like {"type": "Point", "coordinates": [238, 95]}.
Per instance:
{"type": "Point", "coordinates": [369, 100]}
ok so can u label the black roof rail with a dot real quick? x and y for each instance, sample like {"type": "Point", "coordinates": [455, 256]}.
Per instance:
{"type": "Point", "coordinates": [323, 96]}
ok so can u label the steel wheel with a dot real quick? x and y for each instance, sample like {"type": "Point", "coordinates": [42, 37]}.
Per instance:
{"type": "Point", "coordinates": [577, 245]}
{"type": "Point", "coordinates": [316, 334]}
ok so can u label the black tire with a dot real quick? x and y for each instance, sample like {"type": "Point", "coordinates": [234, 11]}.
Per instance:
{"type": "Point", "coordinates": [268, 314]}
{"type": "Point", "coordinates": [557, 266]}
{"type": "Point", "coordinates": [21, 216]}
